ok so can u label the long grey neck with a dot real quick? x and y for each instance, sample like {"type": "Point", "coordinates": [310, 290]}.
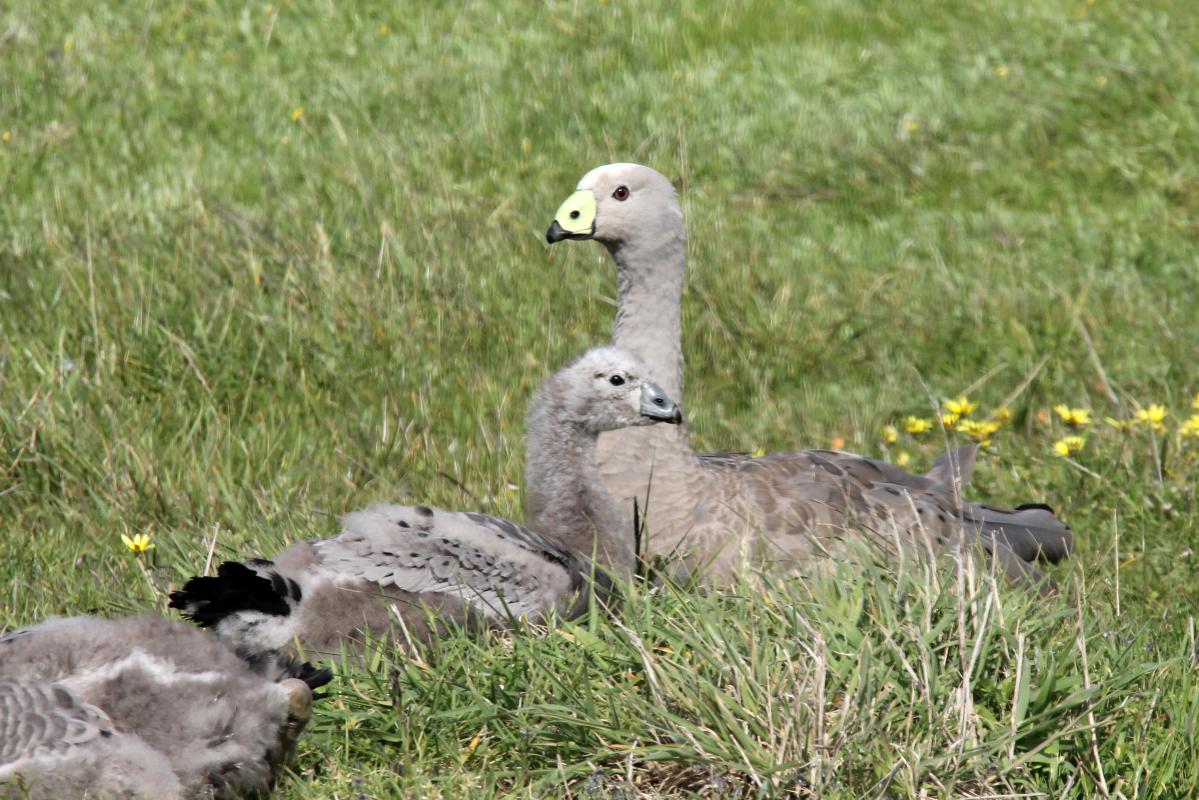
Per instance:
{"type": "Point", "coordinates": [651, 272]}
{"type": "Point", "coordinates": [567, 501]}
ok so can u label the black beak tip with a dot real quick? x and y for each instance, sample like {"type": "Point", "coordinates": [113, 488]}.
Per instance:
{"type": "Point", "coordinates": [556, 233]}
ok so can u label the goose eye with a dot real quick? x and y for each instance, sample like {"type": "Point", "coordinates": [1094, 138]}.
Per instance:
{"type": "Point", "coordinates": [621, 193]}
{"type": "Point", "coordinates": [616, 380]}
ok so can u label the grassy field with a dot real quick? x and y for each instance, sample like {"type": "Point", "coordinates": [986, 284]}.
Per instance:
{"type": "Point", "coordinates": [261, 264]}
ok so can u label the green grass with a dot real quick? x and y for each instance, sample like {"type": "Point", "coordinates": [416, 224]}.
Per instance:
{"type": "Point", "coordinates": [216, 319]}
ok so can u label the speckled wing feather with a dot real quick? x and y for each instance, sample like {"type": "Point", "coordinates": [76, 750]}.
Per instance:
{"type": "Point", "coordinates": [45, 722]}
{"type": "Point", "coordinates": [794, 507]}
{"type": "Point", "coordinates": [501, 568]}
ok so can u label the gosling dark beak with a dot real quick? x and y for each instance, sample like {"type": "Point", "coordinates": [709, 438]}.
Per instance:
{"type": "Point", "coordinates": [657, 405]}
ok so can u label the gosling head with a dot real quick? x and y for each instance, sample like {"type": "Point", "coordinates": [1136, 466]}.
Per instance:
{"type": "Point", "coordinates": [617, 202]}
{"type": "Point", "coordinates": [605, 389]}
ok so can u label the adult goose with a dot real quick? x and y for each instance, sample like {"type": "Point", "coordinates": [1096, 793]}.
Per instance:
{"type": "Point", "coordinates": [415, 568]}
{"type": "Point", "coordinates": [710, 512]}
{"type": "Point", "coordinates": [142, 707]}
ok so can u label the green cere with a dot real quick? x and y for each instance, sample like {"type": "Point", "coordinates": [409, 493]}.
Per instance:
{"type": "Point", "coordinates": [577, 214]}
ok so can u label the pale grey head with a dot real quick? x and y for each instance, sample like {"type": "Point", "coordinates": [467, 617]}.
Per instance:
{"type": "Point", "coordinates": [616, 203]}
{"type": "Point", "coordinates": [634, 212]}
{"type": "Point", "coordinates": [605, 389]}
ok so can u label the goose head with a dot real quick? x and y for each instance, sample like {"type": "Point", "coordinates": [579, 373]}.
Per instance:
{"type": "Point", "coordinates": [617, 203]}
{"type": "Point", "coordinates": [606, 388]}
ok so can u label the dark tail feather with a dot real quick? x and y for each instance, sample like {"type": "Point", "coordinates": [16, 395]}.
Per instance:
{"type": "Point", "coordinates": [236, 587]}
{"type": "Point", "coordinates": [1031, 531]}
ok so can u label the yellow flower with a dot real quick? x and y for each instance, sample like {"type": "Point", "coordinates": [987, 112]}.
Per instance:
{"type": "Point", "coordinates": [761, 451]}
{"type": "Point", "coordinates": [903, 459]}
{"type": "Point", "coordinates": [1069, 445]}
{"type": "Point", "coordinates": [1194, 403]}
{"type": "Point", "coordinates": [1074, 417]}
{"type": "Point", "coordinates": [1001, 71]}
{"type": "Point", "coordinates": [1119, 424]}
{"type": "Point", "coordinates": [980, 432]}
{"type": "Point", "coordinates": [1002, 415]}
{"type": "Point", "coordinates": [1190, 428]}
{"type": "Point", "coordinates": [890, 434]}
{"type": "Point", "coordinates": [950, 421]}
{"type": "Point", "coordinates": [917, 425]}
{"type": "Point", "coordinates": [384, 30]}
{"type": "Point", "coordinates": [297, 113]}
{"type": "Point", "coordinates": [139, 544]}
{"type": "Point", "coordinates": [7, 136]}
{"type": "Point", "coordinates": [1153, 416]}
{"type": "Point", "coordinates": [959, 407]}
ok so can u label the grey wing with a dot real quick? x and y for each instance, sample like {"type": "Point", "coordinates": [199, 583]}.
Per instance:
{"type": "Point", "coordinates": [1029, 532]}
{"type": "Point", "coordinates": [45, 721]}
{"type": "Point", "coordinates": [500, 568]}
{"type": "Point", "coordinates": [817, 493]}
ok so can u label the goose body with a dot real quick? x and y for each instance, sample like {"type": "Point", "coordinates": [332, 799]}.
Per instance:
{"type": "Point", "coordinates": [143, 707]}
{"type": "Point", "coordinates": [415, 569]}
{"type": "Point", "coordinates": [712, 512]}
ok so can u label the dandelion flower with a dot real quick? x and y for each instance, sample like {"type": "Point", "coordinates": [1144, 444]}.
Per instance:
{"type": "Point", "coordinates": [917, 425]}
{"type": "Point", "coordinates": [761, 451]}
{"type": "Point", "coordinates": [980, 432]}
{"type": "Point", "coordinates": [1002, 415]}
{"type": "Point", "coordinates": [297, 113]}
{"type": "Point", "coordinates": [1190, 428]}
{"type": "Point", "coordinates": [959, 407]}
{"type": "Point", "coordinates": [950, 421]}
{"type": "Point", "coordinates": [1074, 417]}
{"type": "Point", "coordinates": [1153, 416]}
{"type": "Point", "coordinates": [890, 434]}
{"type": "Point", "coordinates": [1069, 445]}
{"type": "Point", "coordinates": [7, 136]}
{"type": "Point", "coordinates": [139, 543]}
{"type": "Point", "coordinates": [903, 459]}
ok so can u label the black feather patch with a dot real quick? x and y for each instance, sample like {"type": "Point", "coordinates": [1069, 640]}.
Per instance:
{"type": "Point", "coordinates": [235, 587]}
{"type": "Point", "coordinates": [1039, 506]}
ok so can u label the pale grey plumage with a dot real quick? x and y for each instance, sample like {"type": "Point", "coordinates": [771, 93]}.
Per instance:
{"type": "Point", "coordinates": [713, 512]}
{"type": "Point", "coordinates": [419, 569]}
{"type": "Point", "coordinates": [143, 707]}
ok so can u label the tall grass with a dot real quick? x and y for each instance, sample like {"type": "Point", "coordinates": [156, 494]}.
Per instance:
{"type": "Point", "coordinates": [263, 264]}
